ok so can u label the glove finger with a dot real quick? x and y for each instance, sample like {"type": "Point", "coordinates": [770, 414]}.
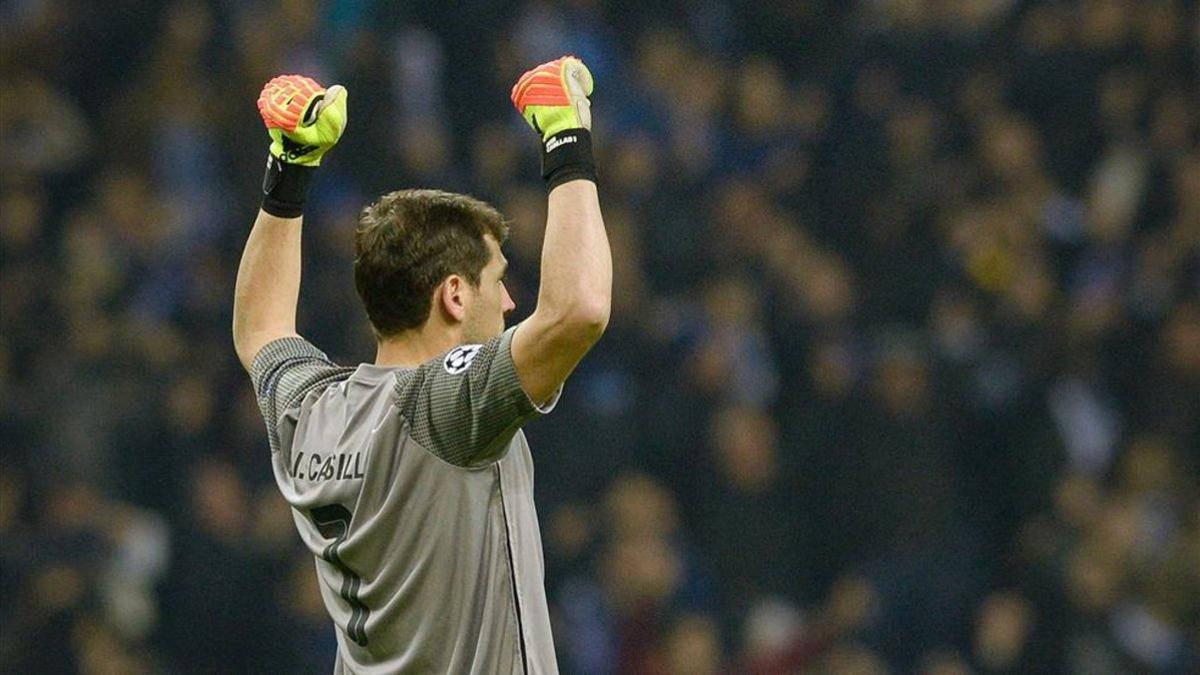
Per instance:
{"type": "Point", "coordinates": [302, 96]}
{"type": "Point", "coordinates": [331, 95]}
{"type": "Point", "coordinates": [328, 126]}
{"type": "Point", "coordinates": [519, 87]}
{"type": "Point", "coordinates": [318, 103]}
{"type": "Point", "coordinates": [274, 114]}
{"type": "Point", "coordinates": [540, 86]}
{"type": "Point", "coordinates": [331, 115]}
{"type": "Point", "coordinates": [286, 99]}
{"type": "Point", "coordinates": [540, 79]}
{"type": "Point", "coordinates": [272, 103]}
{"type": "Point", "coordinates": [578, 78]}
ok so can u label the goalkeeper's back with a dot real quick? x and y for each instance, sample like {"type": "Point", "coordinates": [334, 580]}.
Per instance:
{"type": "Point", "coordinates": [413, 489]}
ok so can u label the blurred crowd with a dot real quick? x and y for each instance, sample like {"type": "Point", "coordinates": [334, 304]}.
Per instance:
{"type": "Point", "coordinates": [903, 373]}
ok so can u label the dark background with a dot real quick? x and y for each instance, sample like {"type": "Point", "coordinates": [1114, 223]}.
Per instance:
{"type": "Point", "coordinates": [903, 372]}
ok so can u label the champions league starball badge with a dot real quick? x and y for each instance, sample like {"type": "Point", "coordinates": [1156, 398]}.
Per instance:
{"type": "Point", "coordinates": [459, 358]}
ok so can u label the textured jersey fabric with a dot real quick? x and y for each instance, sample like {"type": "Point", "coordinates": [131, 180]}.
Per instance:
{"type": "Point", "coordinates": [413, 488]}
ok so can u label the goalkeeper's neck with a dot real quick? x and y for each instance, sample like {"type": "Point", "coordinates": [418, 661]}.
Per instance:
{"type": "Point", "coordinates": [416, 346]}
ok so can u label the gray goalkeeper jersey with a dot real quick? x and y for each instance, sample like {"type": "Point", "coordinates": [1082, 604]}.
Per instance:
{"type": "Point", "coordinates": [413, 488]}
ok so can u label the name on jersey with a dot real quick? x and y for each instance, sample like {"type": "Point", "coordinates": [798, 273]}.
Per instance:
{"type": "Point", "coordinates": [317, 467]}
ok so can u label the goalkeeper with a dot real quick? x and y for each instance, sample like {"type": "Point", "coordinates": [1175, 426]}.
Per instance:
{"type": "Point", "coordinates": [409, 478]}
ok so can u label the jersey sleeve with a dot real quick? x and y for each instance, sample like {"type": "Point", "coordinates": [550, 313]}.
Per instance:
{"type": "Point", "coordinates": [466, 406]}
{"type": "Point", "coordinates": [284, 372]}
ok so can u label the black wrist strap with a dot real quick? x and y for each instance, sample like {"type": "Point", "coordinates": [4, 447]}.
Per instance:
{"type": "Point", "coordinates": [567, 156]}
{"type": "Point", "coordinates": [285, 188]}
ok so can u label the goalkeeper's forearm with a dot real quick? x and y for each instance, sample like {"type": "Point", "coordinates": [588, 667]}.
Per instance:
{"type": "Point", "coordinates": [576, 276]}
{"type": "Point", "coordinates": [576, 292]}
{"type": "Point", "coordinates": [268, 285]}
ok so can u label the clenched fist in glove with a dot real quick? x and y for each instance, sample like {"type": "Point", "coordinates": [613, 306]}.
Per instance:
{"type": "Point", "coordinates": [304, 121]}
{"type": "Point", "coordinates": [553, 99]}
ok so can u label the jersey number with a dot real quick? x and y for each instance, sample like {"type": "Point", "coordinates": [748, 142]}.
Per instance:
{"type": "Point", "coordinates": [333, 522]}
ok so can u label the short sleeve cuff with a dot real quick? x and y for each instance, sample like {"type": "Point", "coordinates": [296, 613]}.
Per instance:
{"type": "Point", "coordinates": [548, 406]}
{"type": "Point", "coordinates": [533, 407]}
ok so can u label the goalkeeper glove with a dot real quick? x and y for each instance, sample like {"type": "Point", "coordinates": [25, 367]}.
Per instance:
{"type": "Point", "coordinates": [553, 99]}
{"type": "Point", "coordinates": [304, 121]}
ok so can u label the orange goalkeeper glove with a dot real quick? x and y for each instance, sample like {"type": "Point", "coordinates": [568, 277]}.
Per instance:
{"type": "Point", "coordinates": [304, 121]}
{"type": "Point", "coordinates": [553, 99]}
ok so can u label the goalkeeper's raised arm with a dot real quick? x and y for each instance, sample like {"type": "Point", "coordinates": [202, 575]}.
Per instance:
{"type": "Point", "coordinates": [304, 121]}
{"type": "Point", "coordinates": [576, 274]}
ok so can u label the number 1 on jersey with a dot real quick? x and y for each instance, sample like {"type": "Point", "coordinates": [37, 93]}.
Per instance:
{"type": "Point", "coordinates": [333, 522]}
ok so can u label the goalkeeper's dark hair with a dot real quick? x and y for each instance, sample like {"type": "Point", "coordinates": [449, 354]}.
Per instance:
{"type": "Point", "coordinates": [408, 242]}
